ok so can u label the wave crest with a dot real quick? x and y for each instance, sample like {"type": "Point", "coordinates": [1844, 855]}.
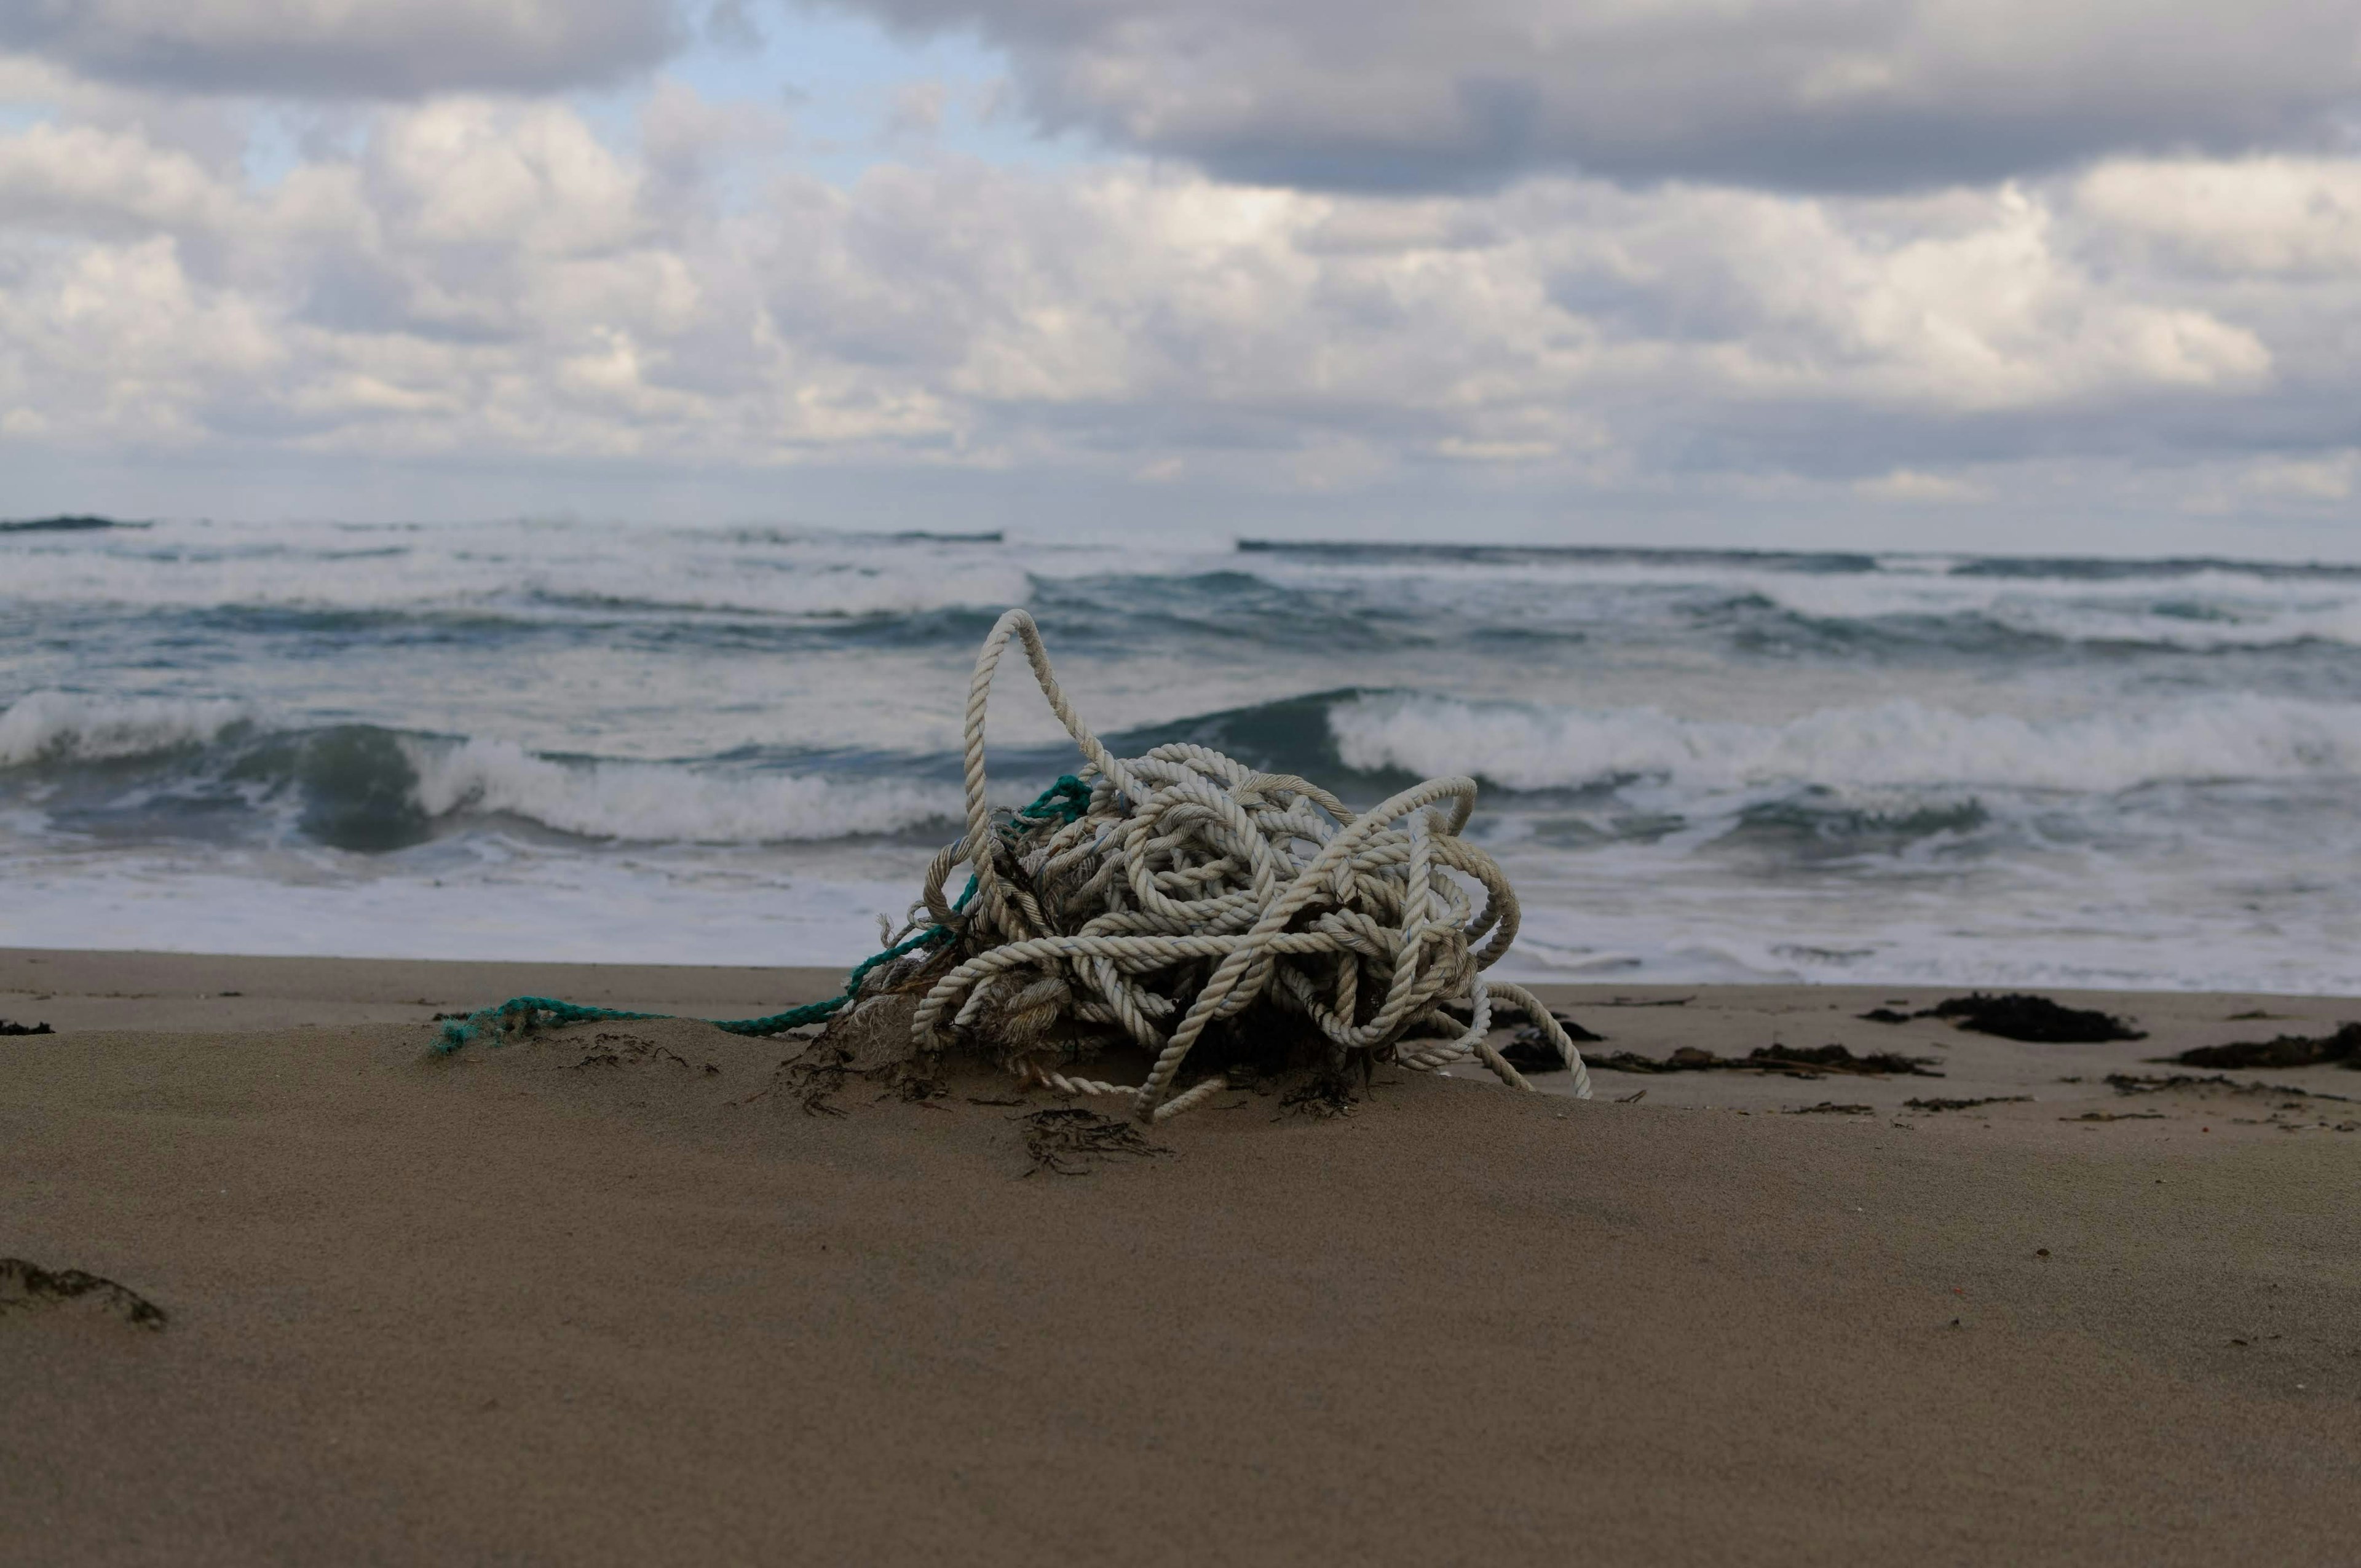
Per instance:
{"type": "Point", "coordinates": [55, 726]}
{"type": "Point", "coordinates": [655, 802]}
{"type": "Point", "coordinates": [1894, 743]}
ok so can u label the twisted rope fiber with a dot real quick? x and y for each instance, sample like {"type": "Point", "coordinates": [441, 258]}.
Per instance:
{"type": "Point", "coordinates": [1160, 897]}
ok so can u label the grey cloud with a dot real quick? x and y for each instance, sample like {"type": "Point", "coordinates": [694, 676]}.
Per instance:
{"type": "Point", "coordinates": [332, 48]}
{"type": "Point", "coordinates": [1393, 95]}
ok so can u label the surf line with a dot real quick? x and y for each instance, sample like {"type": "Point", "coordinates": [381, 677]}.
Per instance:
{"type": "Point", "coordinates": [1183, 901]}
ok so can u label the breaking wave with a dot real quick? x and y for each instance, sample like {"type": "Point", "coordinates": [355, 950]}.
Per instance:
{"type": "Point", "coordinates": [667, 803]}
{"type": "Point", "coordinates": [1903, 743]}
{"type": "Point", "coordinates": [55, 726]}
{"type": "Point", "coordinates": [356, 786]}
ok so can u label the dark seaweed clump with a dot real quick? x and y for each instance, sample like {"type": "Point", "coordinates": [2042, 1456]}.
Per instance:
{"type": "Point", "coordinates": [1529, 1050]}
{"type": "Point", "coordinates": [1067, 1140]}
{"type": "Point", "coordinates": [1790, 1062]}
{"type": "Point", "coordinates": [2016, 1016]}
{"type": "Point", "coordinates": [2150, 1084]}
{"type": "Point", "coordinates": [1938, 1105]}
{"type": "Point", "coordinates": [8, 1028]}
{"type": "Point", "coordinates": [24, 1284]}
{"type": "Point", "coordinates": [2342, 1047]}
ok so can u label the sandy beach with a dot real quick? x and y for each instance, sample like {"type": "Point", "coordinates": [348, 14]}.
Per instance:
{"type": "Point", "coordinates": [611, 1294]}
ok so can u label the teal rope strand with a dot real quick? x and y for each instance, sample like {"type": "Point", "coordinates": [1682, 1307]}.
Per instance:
{"type": "Point", "coordinates": [1064, 800]}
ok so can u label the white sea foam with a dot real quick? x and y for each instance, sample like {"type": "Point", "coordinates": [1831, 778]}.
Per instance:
{"type": "Point", "coordinates": [2199, 610]}
{"type": "Point", "coordinates": [45, 725]}
{"type": "Point", "coordinates": [511, 567]}
{"type": "Point", "coordinates": [2222, 607]}
{"type": "Point", "coordinates": [1902, 742]}
{"type": "Point", "coordinates": [660, 802]}
{"type": "Point", "coordinates": [541, 910]}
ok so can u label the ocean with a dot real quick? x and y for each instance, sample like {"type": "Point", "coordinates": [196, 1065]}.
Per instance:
{"type": "Point", "coordinates": [560, 741]}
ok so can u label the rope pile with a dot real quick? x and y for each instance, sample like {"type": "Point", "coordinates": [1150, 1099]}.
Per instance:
{"type": "Point", "coordinates": [1188, 890]}
{"type": "Point", "coordinates": [1189, 904]}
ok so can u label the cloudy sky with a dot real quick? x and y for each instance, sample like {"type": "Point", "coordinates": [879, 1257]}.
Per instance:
{"type": "Point", "coordinates": [1957, 274]}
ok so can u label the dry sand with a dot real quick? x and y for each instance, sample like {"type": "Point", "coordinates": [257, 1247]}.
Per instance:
{"type": "Point", "coordinates": [601, 1298]}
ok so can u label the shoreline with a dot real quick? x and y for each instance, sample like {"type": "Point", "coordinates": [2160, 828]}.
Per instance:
{"type": "Point", "coordinates": [77, 991]}
{"type": "Point", "coordinates": [610, 1294]}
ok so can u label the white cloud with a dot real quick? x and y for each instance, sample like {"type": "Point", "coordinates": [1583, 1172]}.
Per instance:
{"type": "Point", "coordinates": [1911, 487]}
{"type": "Point", "coordinates": [2283, 216]}
{"type": "Point", "coordinates": [1810, 94]}
{"type": "Point", "coordinates": [458, 174]}
{"type": "Point", "coordinates": [2327, 477]}
{"type": "Point", "coordinates": [85, 179]}
{"type": "Point", "coordinates": [1972, 303]}
{"type": "Point", "coordinates": [492, 280]}
{"type": "Point", "coordinates": [114, 340]}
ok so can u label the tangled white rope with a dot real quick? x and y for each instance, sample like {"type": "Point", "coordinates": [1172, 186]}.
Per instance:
{"type": "Point", "coordinates": [1190, 889]}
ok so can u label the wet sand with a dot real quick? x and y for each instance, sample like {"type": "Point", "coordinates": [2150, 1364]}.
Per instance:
{"type": "Point", "coordinates": [612, 1295]}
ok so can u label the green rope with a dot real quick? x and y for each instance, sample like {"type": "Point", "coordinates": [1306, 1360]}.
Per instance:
{"type": "Point", "coordinates": [1064, 800]}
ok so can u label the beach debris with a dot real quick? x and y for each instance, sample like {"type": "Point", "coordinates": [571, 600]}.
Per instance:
{"type": "Point", "coordinates": [873, 1046]}
{"type": "Point", "coordinates": [1223, 918]}
{"type": "Point", "coordinates": [1831, 1108]}
{"type": "Point", "coordinates": [2018, 1016]}
{"type": "Point", "coordinates": [1939, 1105]}
{"type": "Point", "coordinates": [1792, 1061]}
{"type": "Point", "coordinates": [812, 1080]}
{"type": "Point", "coordinates": [2150, 1084]}
{"type": "Point", "coordinates": [2291, 1098]}
{"type": "Point", "coordinates": [1632, 1099]}
{"type": "Point", "coordinates": [2342, 1048]}
{"type": "Point", "coordinates": [1529, 1050]}
{"type": "Point", "coordinates": [8, 1028]}
{"type": "Point", "coordinates": [2116, 1116]}
{"type": "Point", "coordinates": [630, 1050]}
{"type": "Point", "coordinates": [1322, 1096]}
{"type": "Point", "coordinates": [1228, 921]}
{"type": "Point", "coordinates": [27, 1285]}
{"type": "Point", "coordinates": [1065, 1140]}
